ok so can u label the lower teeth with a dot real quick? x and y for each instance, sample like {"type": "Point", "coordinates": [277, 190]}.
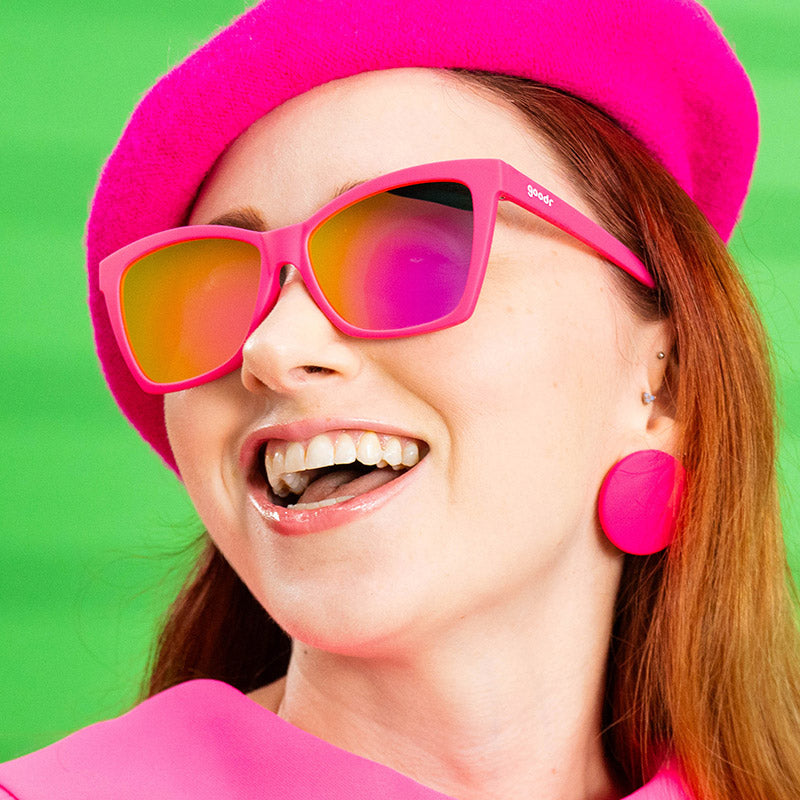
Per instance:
{"type": "Point", "coordinates": [329, 502]}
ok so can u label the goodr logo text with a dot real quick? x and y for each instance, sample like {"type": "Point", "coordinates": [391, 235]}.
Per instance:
{"type": "Point", "coordinates": [545, 198]}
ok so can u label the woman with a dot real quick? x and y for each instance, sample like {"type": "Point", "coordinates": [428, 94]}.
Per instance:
{"type": "Point", "coordinates": [420, 462]}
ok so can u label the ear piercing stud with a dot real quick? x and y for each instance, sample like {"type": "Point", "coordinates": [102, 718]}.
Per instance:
{"type": "Point", "coordinates": [648, 398]}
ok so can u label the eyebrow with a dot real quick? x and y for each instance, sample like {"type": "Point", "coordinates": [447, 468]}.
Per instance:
{"type": "Point", "coordinates": [251, 219]}
{"type": "Point", "coordinates": [346, 187]}
{"type": "Point", "coordinates": [246, 217]}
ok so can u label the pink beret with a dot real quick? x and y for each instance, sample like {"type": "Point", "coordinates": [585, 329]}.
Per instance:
{"type": "Point", "coordinates": [661, 68]}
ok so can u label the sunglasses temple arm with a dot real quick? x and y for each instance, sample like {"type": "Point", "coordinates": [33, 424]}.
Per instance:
{"type": "Point", "coordinates": [535, 198]}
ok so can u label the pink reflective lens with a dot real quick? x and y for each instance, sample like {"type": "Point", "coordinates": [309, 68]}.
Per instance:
{"type": "Point", "coordinates": [396, 259]}
{"type": "Point", "coordinates": [187, 307]}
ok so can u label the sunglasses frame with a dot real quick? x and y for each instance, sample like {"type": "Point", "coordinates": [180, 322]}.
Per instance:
{"type": "Point", "coordinates": [488, 180]}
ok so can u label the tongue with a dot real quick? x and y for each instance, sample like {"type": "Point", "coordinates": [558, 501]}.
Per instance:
{"type": "Point", "coordinates": [346, 483]}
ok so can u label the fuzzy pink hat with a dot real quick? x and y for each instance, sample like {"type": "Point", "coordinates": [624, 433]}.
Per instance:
{"type": "Point", "coordinates": [661, 68]}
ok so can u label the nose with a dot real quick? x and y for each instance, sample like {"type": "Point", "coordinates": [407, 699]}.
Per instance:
{"type": "Point", "coordinates": [296, 346]}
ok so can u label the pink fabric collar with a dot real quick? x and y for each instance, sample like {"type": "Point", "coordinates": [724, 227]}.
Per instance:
{"type": "Point", "coordinates": [205, 740]}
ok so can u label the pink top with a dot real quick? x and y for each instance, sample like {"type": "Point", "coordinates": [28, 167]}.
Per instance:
{"type": "Point", "coordinates": [204, 739]}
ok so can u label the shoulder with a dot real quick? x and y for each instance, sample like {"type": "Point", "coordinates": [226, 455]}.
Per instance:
{"type": "Point", "coordinates": [160, 742]}
{"type": "Point", "coordinates": [200, 740]}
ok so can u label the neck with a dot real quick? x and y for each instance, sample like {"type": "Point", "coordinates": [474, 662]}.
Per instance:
{"type": "Point", "coordinates": [487, 709]}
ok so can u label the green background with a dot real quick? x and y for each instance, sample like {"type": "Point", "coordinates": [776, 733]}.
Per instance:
{"type": "Point", "coordinates": [91, 521]}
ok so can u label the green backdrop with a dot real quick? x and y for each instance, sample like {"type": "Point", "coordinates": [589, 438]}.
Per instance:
{"type": "Point", "coordinates": [91, 521]}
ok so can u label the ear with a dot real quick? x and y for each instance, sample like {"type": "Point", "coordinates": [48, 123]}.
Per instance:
{"type": "Point", "coordinates": [639, 498]}
{"type": "Point", "coordinates": [659, 374]}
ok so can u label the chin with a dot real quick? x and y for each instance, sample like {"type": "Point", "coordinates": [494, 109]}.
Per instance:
{"type": "Point", "coordinates": [358, 624]}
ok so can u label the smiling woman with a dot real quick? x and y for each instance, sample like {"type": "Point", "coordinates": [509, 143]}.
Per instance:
{"type": "Point", "coordinates": [446, 346]}
{"type": "Point", "coordinates": [422, 562]}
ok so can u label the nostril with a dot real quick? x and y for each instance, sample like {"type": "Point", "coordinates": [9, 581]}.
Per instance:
{"type": "Point", "coordinates": [295, 345]}
{"type": "Point", "coordinates": [285, 273]}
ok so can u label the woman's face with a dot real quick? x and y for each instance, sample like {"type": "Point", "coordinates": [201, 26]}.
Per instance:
{"type": "Point", "coordinates": [518, 412]}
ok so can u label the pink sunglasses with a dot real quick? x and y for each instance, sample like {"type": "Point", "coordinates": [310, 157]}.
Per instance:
{"type": "Point", "coordinates": [402, 254]}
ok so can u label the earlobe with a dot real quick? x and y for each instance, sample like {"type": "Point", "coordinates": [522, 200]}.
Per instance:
{"type": "Point", "coordinates": [662, 429]}
{"type": "Point", "coordinates": [663, 432]}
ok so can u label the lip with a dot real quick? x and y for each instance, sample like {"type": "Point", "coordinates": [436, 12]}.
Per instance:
{"type": "Point", "coordinates": [298, 522]}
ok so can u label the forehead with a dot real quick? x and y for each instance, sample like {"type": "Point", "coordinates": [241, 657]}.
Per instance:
{"type": "Point", "coordinates": [303, 153]}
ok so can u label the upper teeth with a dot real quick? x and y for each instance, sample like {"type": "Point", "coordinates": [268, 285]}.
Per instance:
{"type": "Point", "coordinates": [287, 463]}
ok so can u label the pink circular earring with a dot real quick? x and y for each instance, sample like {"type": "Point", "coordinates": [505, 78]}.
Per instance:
{"type": "Point", "coordinates": [639, 501]}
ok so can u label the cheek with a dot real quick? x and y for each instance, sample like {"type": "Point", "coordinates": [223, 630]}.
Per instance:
{"type": "Point", "coordinates": [188, 416]}
{"type": "Point", "coordinates": [547, 340]}
{"type": "Point", "coordinates": [530, 386]}
{"type": "Point", "coordinates": [203, 424]}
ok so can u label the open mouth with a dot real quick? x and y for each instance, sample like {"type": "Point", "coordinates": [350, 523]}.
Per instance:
{"type": "Point", "coordinates": [333, 467]}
